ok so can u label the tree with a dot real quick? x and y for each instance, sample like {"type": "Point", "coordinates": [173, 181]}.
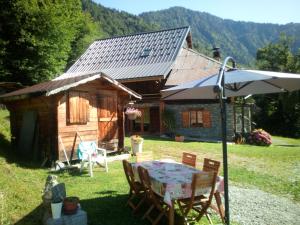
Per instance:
{"type": "Point", "coordinates": [279, 113]}
{"type": "Point", "coordinates": [36, 38]}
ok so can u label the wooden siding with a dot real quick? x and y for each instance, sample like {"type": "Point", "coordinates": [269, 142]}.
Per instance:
{"type": "Point", "coordinates": [46, 124]}
{"type": "Point", "coordinates": [90, 131]}
{"type": "Point", "coordinates": [52, 120]}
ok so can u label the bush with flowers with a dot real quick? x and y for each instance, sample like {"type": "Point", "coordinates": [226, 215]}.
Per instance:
{"type": "Point", "coordinates": [259, 137]}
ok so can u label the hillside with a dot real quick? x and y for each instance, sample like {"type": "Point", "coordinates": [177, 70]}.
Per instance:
{"type": "Point", "coordinates": [114, 22]}
{"type": "Point", "coordinates": [238, 39]}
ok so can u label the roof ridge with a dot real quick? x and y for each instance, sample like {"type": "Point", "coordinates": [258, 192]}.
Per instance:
{"type": "Point", "coordinates": [146, 32]}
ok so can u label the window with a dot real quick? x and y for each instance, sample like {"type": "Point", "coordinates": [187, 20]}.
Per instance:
{"type": "Point", "coordinates": [77, 107]}
{"type": "Point", "coordinates": [196, 118]}
{"type": "Point", "coordinates": [146, 52]}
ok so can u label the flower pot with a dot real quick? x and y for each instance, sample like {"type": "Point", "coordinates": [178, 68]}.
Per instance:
{"type": "Point", "coordinates": [179, 138]}
{"type": "Point", "coordinates": [132, 116]}
{"type": "Point", "coordinates": [70, 205]}
{"type": "Point", "coordinates": [136, 146]}
{"type": "Point", "coordinates": [56, 210]}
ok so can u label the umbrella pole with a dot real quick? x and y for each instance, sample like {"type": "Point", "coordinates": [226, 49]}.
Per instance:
{"type": "Point", "coordinates": [220, 88]}
{"type": "Point", "coordinates": [225, 164]}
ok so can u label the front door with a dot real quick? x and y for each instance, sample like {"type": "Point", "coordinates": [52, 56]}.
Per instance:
{"type": "Point", "coordinates": [107, 118]}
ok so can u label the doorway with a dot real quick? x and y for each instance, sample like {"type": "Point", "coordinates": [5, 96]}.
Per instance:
{"type": "Point", "coordinates": [149, 122]}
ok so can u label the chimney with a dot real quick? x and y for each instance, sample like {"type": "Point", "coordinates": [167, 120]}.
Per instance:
{"type": "Point", "coordinates": [216, 53]}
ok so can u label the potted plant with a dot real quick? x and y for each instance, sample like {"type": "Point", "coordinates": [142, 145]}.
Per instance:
{"type": "Point", "coordinates": [71, 205]}
{"type": "Point", "coordinates": [136, 144]}
{"type": "Point", "coordinates": [179, 137]}
{"type": "Point", "coordinates": [133, 113]}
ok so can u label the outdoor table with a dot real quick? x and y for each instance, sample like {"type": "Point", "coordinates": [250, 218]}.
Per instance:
{"type": "Point", "coordinates": [173, 181]}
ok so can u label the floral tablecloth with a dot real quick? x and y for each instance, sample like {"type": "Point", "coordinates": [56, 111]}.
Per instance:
{"type": "Point", "coordinates": [173, 180]}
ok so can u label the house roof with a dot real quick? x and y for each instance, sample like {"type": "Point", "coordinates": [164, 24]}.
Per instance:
{"type": "Point", "coordinates": [57, 86]}
{"type": "Point", "coordinates": [132, 56]}
{"type": "Point", "coordinates": [191, 65]}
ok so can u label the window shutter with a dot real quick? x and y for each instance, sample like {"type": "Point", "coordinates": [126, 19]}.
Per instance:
{"type": "Point", "coordinates": [185, 117]}
{"type": "Point", "coordinates": [78, 110]}
{"type": "Point", "coordinates": [83, 108]}
{"type": "Point", "coordinates": [206, 117]}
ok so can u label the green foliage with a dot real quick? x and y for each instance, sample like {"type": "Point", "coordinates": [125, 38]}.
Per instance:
{"type": "Point", "coordinates": [279, 113]}
{"type": "Point", "coordinates": [169, 120]}
{"type": "Point", "coordinates": [116, 23]}
{"type": "Point", "coordinates": [37, 37]}
{"type": "Point", "coordinates": [237, 39]}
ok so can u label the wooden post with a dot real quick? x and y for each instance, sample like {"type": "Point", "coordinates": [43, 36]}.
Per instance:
{"type": "Point", "coordinates": [121, 122]}
{"type": "Point", "coordinates": [161, 109]}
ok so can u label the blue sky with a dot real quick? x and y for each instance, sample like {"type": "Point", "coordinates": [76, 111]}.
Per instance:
{"type": "Point", "coordinates": [261, 11]}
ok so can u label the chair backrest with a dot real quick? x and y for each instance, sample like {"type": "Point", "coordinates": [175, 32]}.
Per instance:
{"type": "Point", "coordinates": [204, 180]}
{"type": "Point", "coordinates": [129, 175]}
{"type": "Point", "coordinates": [146, 182]}
{"type": "Point", "coordinates": [144, 156]}
{"type": "Point", "coordinates": [189, 159]}
{"type": "Point", "coordinates": [85, 148]}
{"type": "Point", "coordinates": [211, 165]}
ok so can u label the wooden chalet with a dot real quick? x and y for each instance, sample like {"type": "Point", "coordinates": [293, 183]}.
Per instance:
{"type": "Point", "coordinates": [54, 116]}
{"type": "Point", "coordinates": [148, 63]}
{"type": "Point", "coordinates": [86, 101]}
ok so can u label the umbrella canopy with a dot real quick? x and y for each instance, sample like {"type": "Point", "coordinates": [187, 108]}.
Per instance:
{"type": "Point", "coordinates": [237, 83]}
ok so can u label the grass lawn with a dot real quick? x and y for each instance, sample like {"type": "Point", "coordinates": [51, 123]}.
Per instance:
{"type": "Point", "coordinates": [274, 169]}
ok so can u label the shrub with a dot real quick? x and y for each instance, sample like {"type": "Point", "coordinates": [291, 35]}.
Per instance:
{"type": "Point", "coordinates": [259, 137]}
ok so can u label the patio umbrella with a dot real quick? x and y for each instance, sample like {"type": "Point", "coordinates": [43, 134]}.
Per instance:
{"type": "Point", "coordinates": [230, 83]}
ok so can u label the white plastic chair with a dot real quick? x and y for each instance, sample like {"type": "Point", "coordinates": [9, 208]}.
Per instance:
{"type": "Point", "coordinates": [89, 153]}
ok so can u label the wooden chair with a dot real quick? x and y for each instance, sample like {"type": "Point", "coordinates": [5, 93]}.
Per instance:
{"type": "Point", "coordinates": [200, 204]}
{"type": "Point", "coordinates": [155, 200]}
{"type": "Point", "coordinates": [189, 159]}
{"type": "Point", "coordinates": [144, 156]}
{"type": "Point", "coordinates": [211, 165]}
{"type": "Point", "coordinates": [136, 189]}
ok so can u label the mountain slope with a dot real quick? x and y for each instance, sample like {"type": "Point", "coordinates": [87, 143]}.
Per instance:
{"type": "Point", "coordinates": [114, 22]}
{"type": "Point", "coordinates": [238, 39]}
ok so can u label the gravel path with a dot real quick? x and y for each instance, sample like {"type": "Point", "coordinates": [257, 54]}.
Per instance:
{"type": "Point", "coordinates": [255, 207]}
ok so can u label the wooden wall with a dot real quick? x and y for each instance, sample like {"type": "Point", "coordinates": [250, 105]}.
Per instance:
{"type": "Point", "coordinates": [89, 131]}
{"type": "Point", "coordinates": [46, 124]}
{"type": "Point", "coordinates": [52, 120]}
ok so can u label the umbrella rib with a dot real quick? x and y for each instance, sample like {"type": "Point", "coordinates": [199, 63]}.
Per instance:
{"type": "Point", "coordinates": [274, 85]}
{"type": "Point", "coordinates": [175, 93]}
{"type": "Point", "coordinates": [237, 88]}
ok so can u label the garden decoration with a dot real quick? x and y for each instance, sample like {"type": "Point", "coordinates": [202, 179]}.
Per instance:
{"type": "Point", "coordinates": [133, 113]}
{"type": "Point", "coordinates": [53, 196]}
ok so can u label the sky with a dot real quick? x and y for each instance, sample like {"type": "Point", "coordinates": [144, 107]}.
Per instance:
{"type": "Point", "coordinates": [260, 11]}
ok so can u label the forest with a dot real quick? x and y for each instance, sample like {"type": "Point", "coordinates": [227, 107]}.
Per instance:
{"type": "Point", "coordinates": [40, 39]}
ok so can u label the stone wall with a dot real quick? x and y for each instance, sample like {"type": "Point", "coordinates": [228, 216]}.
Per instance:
{"type": "Point", "coordinates": [214, 132]}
